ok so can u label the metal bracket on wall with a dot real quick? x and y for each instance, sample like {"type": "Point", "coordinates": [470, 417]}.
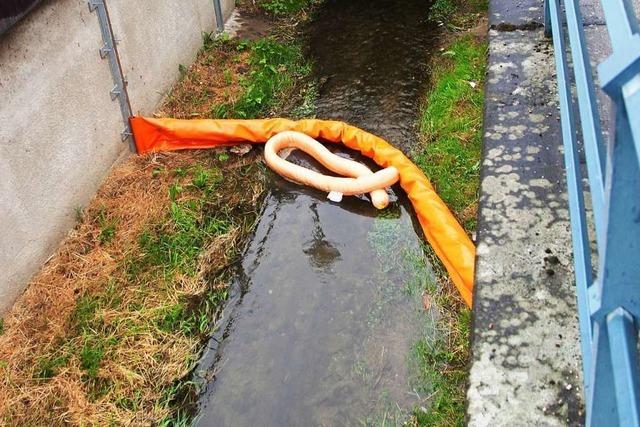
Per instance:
{"type": "Point", "coordinates": [109, 51]}
{"type": "Point", "coordinates": [217, 8]}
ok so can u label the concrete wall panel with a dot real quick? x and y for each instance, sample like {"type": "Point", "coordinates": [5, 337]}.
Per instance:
{"type": "Point", "coordinates": [156, 37]}
{"type": "Point", "coordinates": [59, 133]}
{"type": "Point", "coordinates": [59, 129]}
{"type": "Point", "coordinates": [227, 8]}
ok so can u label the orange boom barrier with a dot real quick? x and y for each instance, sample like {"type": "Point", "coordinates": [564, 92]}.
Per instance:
{"type": "Point", "coordinates": [443, 232]}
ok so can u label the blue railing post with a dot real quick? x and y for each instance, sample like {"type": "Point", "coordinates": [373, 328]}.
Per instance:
{"type": "Point", "coordinates": [623, 336]}
{"type": "Point", "coordinates": [589, 115]}
{"type": "Point", "coordinates": [618, 284]}
{"type": "Point", "coordinates": [548, 30]}
{"type": "Point", "coordinates": [579, 228]}
{"type": "Point", "coordinates": [609, 307]}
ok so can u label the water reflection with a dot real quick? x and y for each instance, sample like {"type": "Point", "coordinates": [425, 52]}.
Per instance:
{"type": "Point", "coordinates": [322, 254]}
{"type": "Point", "coordinates": [327, 301]}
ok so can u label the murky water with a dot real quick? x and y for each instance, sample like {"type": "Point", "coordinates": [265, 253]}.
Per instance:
{"type": "Point", "coordinates": [327, 301]}
{"type": "Point", "coordinates": [370, 57]}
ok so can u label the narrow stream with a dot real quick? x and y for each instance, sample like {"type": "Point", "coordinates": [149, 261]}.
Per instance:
{"type": "Point", "coordinates": [327, 302]}
{"type": "Point", "coordinates": [370, 58]}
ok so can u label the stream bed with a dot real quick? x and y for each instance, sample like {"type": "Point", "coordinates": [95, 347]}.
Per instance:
{"type": "Point", "coordinates": [327, 302]}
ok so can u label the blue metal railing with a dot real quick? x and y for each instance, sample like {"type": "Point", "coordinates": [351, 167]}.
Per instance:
{"type": "Point", "coordinates": [608, 301]}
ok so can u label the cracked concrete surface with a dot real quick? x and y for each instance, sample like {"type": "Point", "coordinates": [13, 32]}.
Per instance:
{"type": "Point", "coordinates": [526, 364]}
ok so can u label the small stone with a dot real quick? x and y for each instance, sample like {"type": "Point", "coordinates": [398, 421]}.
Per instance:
{"type": "Point", "coordinates": [240, 149]}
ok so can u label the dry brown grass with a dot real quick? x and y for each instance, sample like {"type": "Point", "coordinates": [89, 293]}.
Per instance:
{"type": "Point", "coordinates": [214, 79]}
{"type": "Point", "coordinates": [86, 298]}
{"type": "Point", "coordinates": [110, 329]}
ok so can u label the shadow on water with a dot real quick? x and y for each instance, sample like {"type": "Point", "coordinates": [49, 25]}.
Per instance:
{"type": "Point", "coordinates": [326, 302]}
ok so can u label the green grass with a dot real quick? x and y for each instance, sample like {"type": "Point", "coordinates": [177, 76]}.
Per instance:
{"type": "Point", "coordinates": [48, 367]}
{"type": "Point", "coordinates": [457, 14]}
{"type": "Point", "coordinates": [442, 10]}
{"type": "Point", "coordinates": [275, 67]}
{"type": "Point", "coordinates": [175, 247]}
{"type": "Point", "coordinates": [451, 128]}
{"type": "Point", "coordinates": [87, 344]}
{"type": "Point", "coordinates": [451, 125]}
{"type": "Point", "coordinates": [284, 7]}
{"type": "Point", "coordinates": [443, 365]}
{"type": "Point", "coordinates": [91, 355]}
{"type": "Point", "coordinates": [107, 227]}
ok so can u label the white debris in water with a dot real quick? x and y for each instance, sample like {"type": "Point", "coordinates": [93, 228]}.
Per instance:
{"type": "Point", "coordinates": [335, 196]}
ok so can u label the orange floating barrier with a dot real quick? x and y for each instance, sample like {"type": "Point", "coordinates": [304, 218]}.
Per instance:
{"type": "Point", "coordinates": [443, 232]}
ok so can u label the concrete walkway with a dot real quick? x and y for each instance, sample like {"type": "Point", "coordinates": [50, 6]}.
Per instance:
{"type": "Point", "coordinates": [526, 363]}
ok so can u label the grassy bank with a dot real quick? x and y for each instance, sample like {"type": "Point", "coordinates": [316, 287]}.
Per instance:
{"type": "Point", "coordinates": [235, 78]}
{"type": "Point", "coordinates": [285, 7]}
{"type": "Point", "coordinates": [109, 331]}
{"type": "Point", "coordinates": [451, 126]}
{"type": "Point", "coordinates": [449, 154]}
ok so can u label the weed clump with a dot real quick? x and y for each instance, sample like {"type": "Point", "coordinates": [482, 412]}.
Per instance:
{"type": "Point", "coordinates": [457, 14]}
{"type": "Point", "coordinates": [284, 7]}
{"type": "Point", "coordinates": [257, 77]}
{"type": "Point", "coordinates": [274, 67]}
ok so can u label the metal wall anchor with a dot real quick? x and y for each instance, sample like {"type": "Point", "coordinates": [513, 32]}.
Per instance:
{"type": "Point", "coordinates": [109, 52]}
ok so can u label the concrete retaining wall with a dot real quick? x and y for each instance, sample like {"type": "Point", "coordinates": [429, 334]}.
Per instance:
{"type": "Point", "coordinates": [59, 129]}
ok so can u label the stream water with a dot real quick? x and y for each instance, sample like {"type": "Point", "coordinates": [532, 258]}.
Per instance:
{"type": "Point", "coordinates": [327, 301]}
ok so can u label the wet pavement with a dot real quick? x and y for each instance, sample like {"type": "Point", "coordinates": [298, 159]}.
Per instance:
{"type": "Point", "coordinates": [327, 301]}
